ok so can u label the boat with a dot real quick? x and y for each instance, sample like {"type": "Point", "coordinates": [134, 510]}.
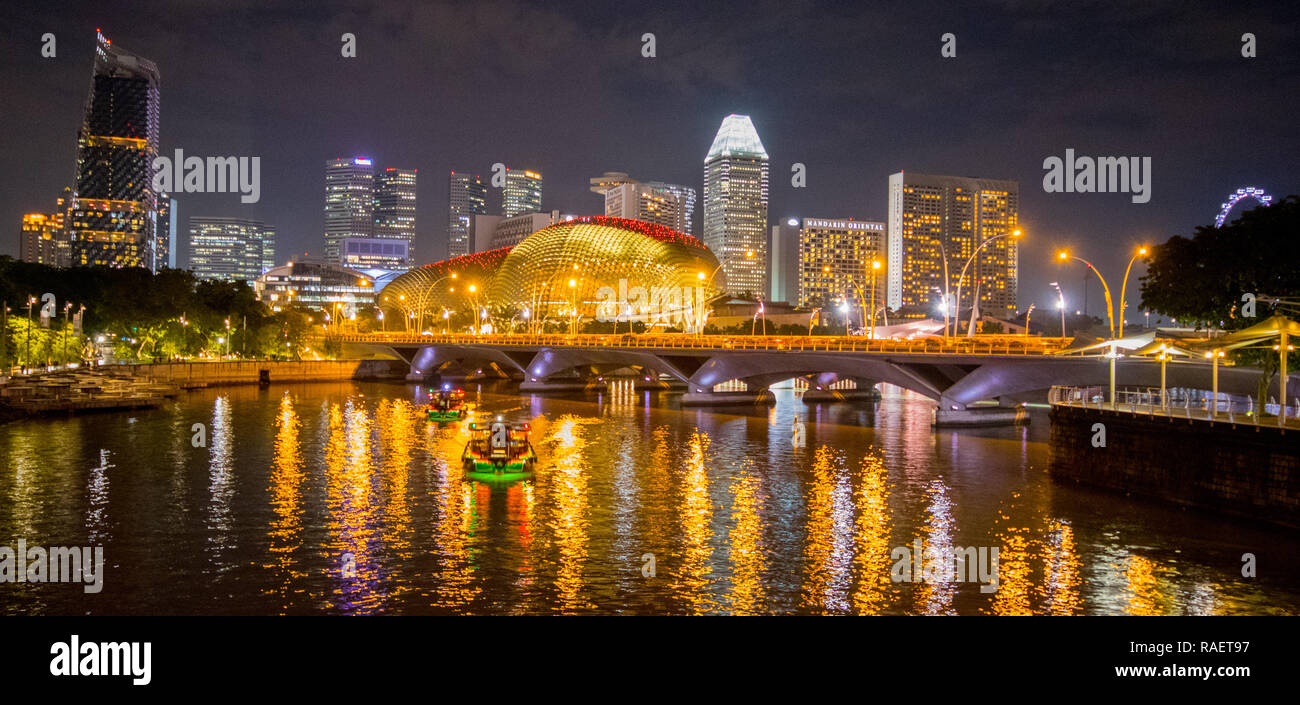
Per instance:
{"type": "Point", "coordinates": [446, 405]}
{"type": "Point", "coordinates": [499, 448]}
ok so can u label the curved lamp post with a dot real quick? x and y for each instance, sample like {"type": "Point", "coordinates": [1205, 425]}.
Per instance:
{"type": "Point", "coordinates": [970, 331]}
{"type": "Point", "coordinates": [1123, 302]}
{"type": "Point", "coordinates": [1110, 308]}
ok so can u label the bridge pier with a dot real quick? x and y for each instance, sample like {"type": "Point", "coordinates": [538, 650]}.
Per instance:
{"type": "Point", "coordinates": [820, 392]}
{"type": "Point", "coordinates": [950, 414]}
{"type": "Point", "coordinates": [752, 395]}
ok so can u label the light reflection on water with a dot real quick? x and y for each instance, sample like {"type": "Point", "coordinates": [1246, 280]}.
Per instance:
{"type": "Point", "coordinates": [344, 499]}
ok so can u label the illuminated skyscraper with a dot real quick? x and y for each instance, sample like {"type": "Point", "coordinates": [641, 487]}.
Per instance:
{"type": "Point", "coordinates": [164, 252]}
{"type": "Point", "coordinates": [44, 239]}
{"type": "Point", "coordinates": [835, 259]}
{"type": "Point", "coordinates": [395, 207]}
{"type": "Point", "coordinates": [930, 216]}
{"type": "Point", "coordinates": [735, 204]}
{"type": "Point", "coordinates": [112, 214]}
{"type": "Point", "coordinates": [467, 199]}
{"type": "Point", "coordinates": [655, 202]}
{"type": "Point", "coordinates": [349, 202]}
{"type": "Point", "coordinates": [230, 249]}
{"type": "Point", "coordinates": [522, 194]}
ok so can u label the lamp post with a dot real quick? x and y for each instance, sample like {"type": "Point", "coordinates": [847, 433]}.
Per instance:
{"type": "Point", "coordinates": [875, 267]}
{"type": "Point", "coordinates": [27, 354]}
{"type": "Point", "coordinates": [573, 295]}
{"type": "Point", "coordinates": [1214, 356]}
{"type": "Point", "coordinates": [1283, 348]}
{"type": "Point", "coordinates": [961, 277]}
{"type": "Point", "coordinates": [1164, 397]}
{"type": "Point", "coordinates": [1110, 308]}
{"type": "Point", "coordinates": [1060, 304]}
{"type": "Point", "coordinates": [1123, 303]}
{"type": "Point", "coordinates": [943, 252]}
{"type": "Point", "coordinates": [844, 309]}
{"type": "Point", "coordinates": [1028, 313]}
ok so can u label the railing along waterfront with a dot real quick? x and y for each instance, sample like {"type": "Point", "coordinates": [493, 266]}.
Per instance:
{"type": "Point", "coordinates": [1177, 403]}
{"type": "Point", "coordinates": [1003, 345]}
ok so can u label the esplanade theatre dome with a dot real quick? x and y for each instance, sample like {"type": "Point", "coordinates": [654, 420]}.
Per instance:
{"type": "Point", "coordinates": [583, 268]}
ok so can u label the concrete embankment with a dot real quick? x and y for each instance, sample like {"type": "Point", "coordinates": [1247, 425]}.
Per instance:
{"type": "Point", "coordinates": [1232, 468]}
{"type": "Point", "coordinates": [189, 375]}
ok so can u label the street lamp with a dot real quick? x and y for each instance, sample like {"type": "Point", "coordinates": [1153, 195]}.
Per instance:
{"type": "Point", "coordinates": [1214, 356]}
{"type": "Point", "coordinates": [1060, 304]}
{"type": "Point", "coordinates": [1123, 303]}
{"type": "Point", "coordinates": [1064, 256]}
{"type": "Point", "coordinates": [970, 331]}
{"type": "Point", "coordinates": [875, 267]}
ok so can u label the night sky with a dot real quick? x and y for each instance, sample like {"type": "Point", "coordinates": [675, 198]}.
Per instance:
{"type": "Point", "coordinates": [855, 93]}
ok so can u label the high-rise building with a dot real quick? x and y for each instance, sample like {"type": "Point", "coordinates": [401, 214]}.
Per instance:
{"type": "Point", "coordinates": [508, 232]}
{"type": "Point", "coordinates": [164, 250]}
{"type": "Point", "coordinates": [44, 239]}
{"type": "Point", "coordinates": [783, 262]}
{"type": "Point", "coordinates": [349, 202]}
{"type": "Point", "coordinates": [735, 204]}
{"type": "Point", "coordinates": [230, 249]}
{"type": "Point", "coordinates": [112, 213]}
{"type": "Point", "coordinates": [362, 253]}
{"type": "Point", "coordinates": [931, 217]}
{"type": "Point", "coordinates": [522, 194]}
{"type": "Point", "coordinates": [395, 207]}
{"type": "Point", "coordinates": [835, 262]}
{"type": "Point", "coordinates": [655, 202]}
{"type": "Point", "coordinates": [468, 198]}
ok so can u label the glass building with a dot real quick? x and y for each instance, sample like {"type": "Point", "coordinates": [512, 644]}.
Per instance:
{"type": "Point", "coordinates": [230, 249]}
{"type": "Point", "coordinates": [315, 283]}
{"type": "Point", "coordinates": [468, 198]}
{"type": "Point", "coordinates": [932, 216]}
{"type": "Point", "coordinates": [735, 204]}
{"type": "Point", "coordinates": [669, 205]}
{"type": "Point", "coordinates": [835, 257]}
{"type": "Point", "coordinates": [112, 217]}
{"type": "Point", "coordinates": [522, 194]}
{"type": "Point", "coordinates": [395, 207]}
{"type": "Point", "coordinates": [349, 202]}
{"type": "Point", "coordinates": [375, 253]}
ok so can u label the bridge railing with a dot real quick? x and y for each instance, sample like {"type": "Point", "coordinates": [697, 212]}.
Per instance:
{"type": "Point", "coordinates": [995, 345]}
{"type": "Point", "coordinates": [1177, 403]}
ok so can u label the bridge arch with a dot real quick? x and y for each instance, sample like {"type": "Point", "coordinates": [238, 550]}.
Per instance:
{"type": "Point", "coordinates": [762, 369]}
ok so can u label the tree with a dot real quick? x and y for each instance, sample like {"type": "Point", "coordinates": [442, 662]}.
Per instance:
{"type": "Point", "coordinates": [1201, 280]}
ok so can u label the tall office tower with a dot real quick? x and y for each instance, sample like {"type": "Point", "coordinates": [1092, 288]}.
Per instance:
{"type": "Point", "coordinates": [835, 259]}
{"type": "Point", "coordinates": [687, 196]}
{"type": "Point", "coordinates": [783, 262]}
{"type": "Point", "coordinates": [230, 249]}
{"type": "Point", "coordinates": [164, 250]}
{"type": "Point", "coordinates": [112, 214]}
{"type": "Point", "coordinates": [349, 202]}
{"type": "Point", "coordinates": [468, 198]}
{"type": "Point", "coordinates": [933, 216]}
{"type": "Point", "coordinates": [735, 204]}
{"type": "Point", "coordinates": [395, 207]}
{"type": "Point", "coordinates": [656, 202]}
{"type": "Point", "coordinates": [522, 194]}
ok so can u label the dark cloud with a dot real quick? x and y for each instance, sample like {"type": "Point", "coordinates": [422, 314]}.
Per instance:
{"type": "Point", "coordinates": [854, 91]}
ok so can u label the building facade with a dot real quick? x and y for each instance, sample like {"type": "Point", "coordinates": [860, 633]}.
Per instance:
{"type": "Point", "coordinates": [783, 262]}
{"type": "Point", "coordinates": [522, 193]}
{"type": "Point", "coordinates": [315, 283]}
{"type": "Point", "coordinates": [395, 207]}
{"type": "Point", "coordinates": [386, 253]}
{"type": "Point", "coordinates": [349, 202]}
{"type": "Point", "coordinates": [44, 238]}
{"type": "Point", "coordinates": [932, 217]}
{"type": "Point", "coordinates": [230, 249]}
{"type": "Point", "coordinates": [735, 204]}
{"type": "Point", "coordinates": [836, 262]}
{"type": "Point", "coordinates": [165, 233]}
{"type": "Point", "coordinates": [669, 205]}
{"type": "Point", "coordinates": [467, 198]}
{"type": "Point", "coordinates": [112, 216]}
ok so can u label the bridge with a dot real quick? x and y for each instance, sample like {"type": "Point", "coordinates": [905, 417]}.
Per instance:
{"type": "Point", "coordinates": [961, 374]}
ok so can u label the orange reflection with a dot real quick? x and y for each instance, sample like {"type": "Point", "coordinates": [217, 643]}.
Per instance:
{"type": "Point", "coordinates": [746, 544]}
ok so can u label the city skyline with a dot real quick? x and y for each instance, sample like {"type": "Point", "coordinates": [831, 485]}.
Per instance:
{"type": "Point", "coordinates": [679, 96]}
